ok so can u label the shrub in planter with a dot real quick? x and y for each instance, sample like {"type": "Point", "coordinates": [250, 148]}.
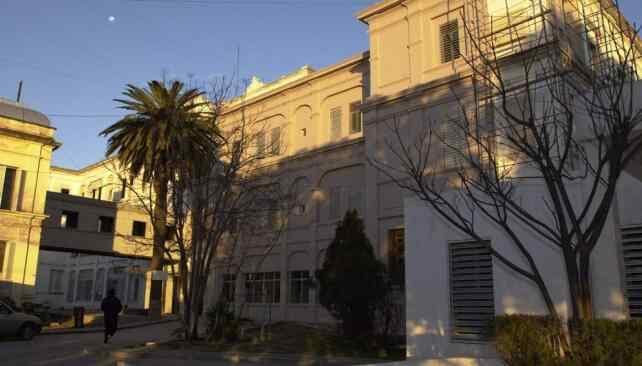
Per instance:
{"type": "Point", "coordinates": [524, 340]}
{"type": "Point", "coordinates": [535, 340]}
{"type": "Point", "coordinates": [603, 342]}
{"type": "Point", "coordinates": [221, 323]}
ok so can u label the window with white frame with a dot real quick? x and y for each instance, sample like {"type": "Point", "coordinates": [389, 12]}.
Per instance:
{"type": "Point", "coordinates": [335, 123]}
{"type": "Point", "coordinates": [55, 281]}
{"type": "Point", "coordinates": [449, 41]}
{"type": "Point", "coordinates": [260, 144]}
{"type": "Point", "coordinates": [355, 201]}
{"type": "Point", "coordinates": [299, 289]}
{"type": "Point", "coordinates": [71, 286]}
{"type": "Point", "coordinates": [355, 117]}
{"type": "Point", "coordinates": [335, 203]}
{"type": "Point", "coordinates": [263, 287]}
{"type": "Point", "coordinates": [228, 288]}
{"type": "Point", "coordinates": [275, 141]}
{"type": "Point", "coordinates": [99, 289]}
{"type": "Point", "coordinates": [85, 284]}
{"type": "Point", "coordinates": [471, 290]}
{"type": "Point", "coordinates": [135, 279]}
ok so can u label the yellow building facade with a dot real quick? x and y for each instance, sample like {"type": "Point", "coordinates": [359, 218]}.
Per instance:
{"type": "Point", "coordinates": [26, 144]}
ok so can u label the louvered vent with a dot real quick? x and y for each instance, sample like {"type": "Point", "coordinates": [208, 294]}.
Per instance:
{"type": "Point", "coordinates": [632, 253]}
{"type": "Point", "coordinates": [449, 39]}
{"type": "Point", "coordinates": [471, 290]}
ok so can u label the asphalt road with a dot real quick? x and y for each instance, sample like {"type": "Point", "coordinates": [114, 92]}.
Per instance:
{"type": "Point", "coordinates": [78, 349]}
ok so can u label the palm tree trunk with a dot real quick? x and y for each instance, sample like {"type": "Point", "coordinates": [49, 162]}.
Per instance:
{"type": "Point", "coordinates": [158, 252]}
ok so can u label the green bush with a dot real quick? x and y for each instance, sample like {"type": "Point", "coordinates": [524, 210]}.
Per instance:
{"type": "Point", "coordinates": [221, 323]}
{"type": "Point", "coordinates": [535, 340]}
{"type": "Point", "coordinates": [603, 342]}
{"type": "Point", "coordinates": [524, 340]}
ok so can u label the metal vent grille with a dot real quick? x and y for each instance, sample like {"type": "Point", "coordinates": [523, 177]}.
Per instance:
{"type": "Point", "coordinates": [632, 254]}
{"type": "Point", "coordinates": [449, 41]}
{"type": "Point", "coordinates": [471, 290]}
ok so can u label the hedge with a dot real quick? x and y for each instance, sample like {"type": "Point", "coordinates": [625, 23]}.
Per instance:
{"type": "Point", "coordinates": [524, 340]}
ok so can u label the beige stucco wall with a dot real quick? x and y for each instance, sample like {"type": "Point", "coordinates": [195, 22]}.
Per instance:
{"type": "Point", "coordinates": [26, 147]}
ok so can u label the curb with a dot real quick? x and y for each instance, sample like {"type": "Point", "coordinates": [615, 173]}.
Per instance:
{"type": "Point", "coordinates": [50, 332]}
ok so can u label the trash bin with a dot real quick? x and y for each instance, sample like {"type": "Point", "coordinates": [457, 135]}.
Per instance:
{"type": "Point", "coordinates": [79, 317]}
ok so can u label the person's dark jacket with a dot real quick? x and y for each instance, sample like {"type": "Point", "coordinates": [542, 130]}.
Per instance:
{"type": "Point", "coordinates": [111, 306]}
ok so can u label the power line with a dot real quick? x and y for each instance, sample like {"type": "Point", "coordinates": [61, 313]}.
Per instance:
{"type": "Point", "coordinates": [68, 115]}
{"type": "Point", "coordinates": [206, 3]}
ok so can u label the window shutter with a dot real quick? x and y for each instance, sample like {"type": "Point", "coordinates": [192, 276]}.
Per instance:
{"type": "Point", "coordinates": [632, 254]}
{"type": "Point", "coordinates": [260, 144]}
{"type": "Point", "coordinates": [276, 141]}
{"type": "Point", "coordinates": [449, 41]}
{"type": "Point", "coordinates": [454, 144]}
{"type": "Point", "coordinates": [335, 121]}
{"type": "Point", "coordinates": [471, 290]}
{"type": "Point", "coordinates": [355, 117]}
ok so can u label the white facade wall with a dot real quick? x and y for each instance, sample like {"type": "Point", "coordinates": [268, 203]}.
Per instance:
{"type": "Point", "coordinates": [129, 281]}
{"type": "Point", "coordinates": [427, 272]}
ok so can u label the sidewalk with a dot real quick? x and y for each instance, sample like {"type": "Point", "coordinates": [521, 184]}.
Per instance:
{"type": "Point", "coordinates": [156, 355]}
{"type": "Point", "coordinates": [102, 329]}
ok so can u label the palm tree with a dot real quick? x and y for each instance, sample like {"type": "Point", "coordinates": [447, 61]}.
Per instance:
{"type": "Point", "coordinates": [166, 128]}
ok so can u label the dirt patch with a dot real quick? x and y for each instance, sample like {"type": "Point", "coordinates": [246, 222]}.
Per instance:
{"type": "Point", "coordinates": [295, 338]}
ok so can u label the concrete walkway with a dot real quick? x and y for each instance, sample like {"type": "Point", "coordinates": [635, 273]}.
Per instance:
{"type": "Point", "coordinates": [80, 349]}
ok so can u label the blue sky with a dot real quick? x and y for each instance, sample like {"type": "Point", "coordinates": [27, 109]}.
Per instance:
{"type": "Point", "coordinates": [74, 61]}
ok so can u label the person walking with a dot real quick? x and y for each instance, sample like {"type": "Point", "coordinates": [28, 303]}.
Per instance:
{"type": "Point", "coordinates": [111, 306]}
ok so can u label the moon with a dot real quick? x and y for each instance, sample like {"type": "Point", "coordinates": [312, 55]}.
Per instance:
{"type": "Point", "coordinates": [111, 18]}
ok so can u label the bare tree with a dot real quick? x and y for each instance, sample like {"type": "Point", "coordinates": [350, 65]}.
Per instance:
{"type": "Point", "coordinates": [536, 109]}
{"type": "Point", "coordinates": [221, 201]}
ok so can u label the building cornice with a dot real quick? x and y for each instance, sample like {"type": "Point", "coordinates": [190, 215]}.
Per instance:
{"type": "Point", "coordinates": [350, 61]}
{"type": "Point", "coordinates": [376, 8]}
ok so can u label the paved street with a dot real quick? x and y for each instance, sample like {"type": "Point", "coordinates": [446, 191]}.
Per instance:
{"type": "Point", "coordinates": [88, 349]}
{"type": "Point", "coordinates": [78, 349]}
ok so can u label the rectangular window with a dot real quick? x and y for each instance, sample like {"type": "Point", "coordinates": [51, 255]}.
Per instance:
{"type": "Point", "coordinates": [134, 286]}
{"type": "Point", "coordinates": [8, 188]}
{"type": "Point", "coordinates": [85, 284]}
{"type": "Point", "coordinates": [355, 201]}
{"type": "Point", "coordinates": [3, 249]}
{"type": "Point", "coordinates": [260, 144]}
{"type": "Point", "coordinates": [397, 257]}
{"type": "Point", "coordinates": [69, 219]}
{"type": "Point", "coordinates": [64, 191]}
{"type": "Point", "coordinates": [105, 224]}
{"type": "Point", "coordinates": [55, 281]}
{"type": "Point", "coordinates": [449, 41]}
{"type": "Point", "coordinates": [229, 288]}
{"type": "Point", "coordinates": [275, 141]}
{"type": "Point", "coordinates": [454, 143]}
{"type": "Point", "coordinates": [139, 228]}
{"type": "Point", "coordinates": [335, 124]}
{"type": "Point", "coordinates": [263, 287]}
{"type": "Point", "coordinates": [335, 203]}
{"type": "Point", "coordinates": [100, 285]}
{"type": "Point", "coordinates": [355, 117]}
{"type": "Point", "coordinates": [632, 255]}
{"type": "Point", "coordinates": [471, 290]}
{"type": "Point", "coordinates": [299, 287]}
{"type": "Point", "coordinates": [71, 286]}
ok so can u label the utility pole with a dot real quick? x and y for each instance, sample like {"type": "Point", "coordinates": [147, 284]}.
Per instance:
{"type": "Point", "coordinates": [19, 91]}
